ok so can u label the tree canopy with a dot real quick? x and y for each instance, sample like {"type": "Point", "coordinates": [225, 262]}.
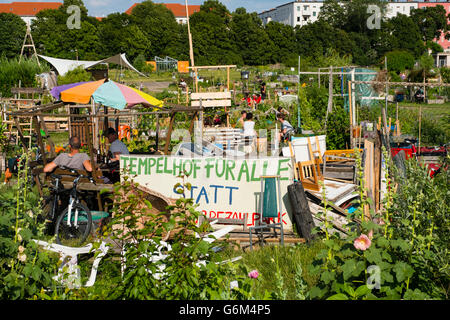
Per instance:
{"type": "Point", "coordinates": [224, 37]}
{"type": "Point", "coordinates": [12, 33]}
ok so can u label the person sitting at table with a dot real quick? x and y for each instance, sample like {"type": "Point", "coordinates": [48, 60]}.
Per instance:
{"type": "Point", "coordinates": [286, 128]}
{"type": "Point", "coordinates": [73, 160]}
{"type": "Point", "coordinates": [249, 133]}
{"type": "Point", "coordinates": [117, 147]}
{"type": "Point", "coordinates": [240, 122]}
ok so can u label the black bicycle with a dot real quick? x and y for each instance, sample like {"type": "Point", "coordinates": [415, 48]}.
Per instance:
{"type": "Point", "coordinates": [73, 225]}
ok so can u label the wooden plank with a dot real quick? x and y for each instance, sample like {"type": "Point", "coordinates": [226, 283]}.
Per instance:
{"type": "Point", "coordinates": [377, 170]}
{"type": "Point", "coordinates": [212, 103]}
{"type": "Point", "coordinates": [37, 129]}
{"type": "Point", "coordinates": [91, 150]}
{"type": "Point", "coordinates": [369, 178]}
{"type": "Point", "coordinates": [210, 95]}
{"type": "Point", "coordinates": [16, 90]}
{"type": "Point", "coordinates": [19, 131]}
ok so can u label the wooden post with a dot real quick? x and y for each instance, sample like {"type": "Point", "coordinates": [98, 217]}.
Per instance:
{"type": "Point", "coordinates": [228, 78]}
{"type": "Point", "coordinates": [91, 150]}
{"type": "Point", "coordinates": [37, 128]}
{"type": "Point", "coordinates": [385, 130]}
{"type": "Point", "coordinates": [19, 131]}
{"type": "Point", "coordinates": [352, 146]}
{"type": "Point", "coordinates": [169, 133]}
{"type": "Point", "coordinates": [191, 127]}
{"type": "Point", "coordinates": [420, 127]}
{"type": "Point", "coordinates": [49, 140]}
{"type": "Point", "coordinates": [157, 132]}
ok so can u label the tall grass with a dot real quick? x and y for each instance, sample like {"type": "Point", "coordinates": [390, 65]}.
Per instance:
{"type": "Point", "coordinates": [12, 71]}
{"type": "Point", "coordinates": [278, 267]}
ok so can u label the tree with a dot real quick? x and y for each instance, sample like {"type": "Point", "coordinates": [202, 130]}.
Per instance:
{"type": "Point", "coordinates": [158, 25]}
{"type": "Point", "coordinates": [315, 39]}
{"type": "Point", "coordinates": [431, 21]}
{"type": "Point", "coordinates": [211, 34]}
{"type": "Point", "coordinates": [118, 34]}
{"type": "Point", "coordinates": [53, 36]}
{"type": "Point", "coordinates": [250, 38]}
{"type": "Point", "coordinates": [333, 13]}
{"type": "Point", "coordinates": [12, 33]}
{"type": "Point", "coordinates": [406, 35]}
{"type": "Point", "coordinates": [283, 38]}
{"type": "Point", "coordinates": [357, 15]}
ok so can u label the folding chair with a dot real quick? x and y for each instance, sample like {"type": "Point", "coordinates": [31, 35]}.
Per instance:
{"type": "Point", "coordinates": [270, 206]}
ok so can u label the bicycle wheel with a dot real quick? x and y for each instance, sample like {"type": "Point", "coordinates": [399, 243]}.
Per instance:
{"type": "Point", "coordinates": [73, 235]}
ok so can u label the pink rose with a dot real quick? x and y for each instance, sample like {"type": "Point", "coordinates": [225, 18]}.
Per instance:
{"type": "Point", "coordinates": [362, 242]}
{"type": "Point", "coordinates": [253, 274]}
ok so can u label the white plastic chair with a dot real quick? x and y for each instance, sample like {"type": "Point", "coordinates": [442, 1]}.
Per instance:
{"type": "Point", "coordinates": [69, 271]}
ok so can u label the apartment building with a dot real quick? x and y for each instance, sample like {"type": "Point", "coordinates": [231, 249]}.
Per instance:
{"type": "Point", "coordinates": [301, 12]}
{"type": "Point", "coordinates": [28, 10]}
{"type": "Point", "coordinates": [297, 13]}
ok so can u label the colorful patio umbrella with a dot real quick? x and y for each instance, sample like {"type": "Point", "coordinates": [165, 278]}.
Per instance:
{"type": "Point", "coordinates": [107, 93]}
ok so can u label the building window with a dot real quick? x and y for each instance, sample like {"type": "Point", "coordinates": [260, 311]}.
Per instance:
{"type": "Point", "coordinates": [314, 14]}
{"type": "Point", "coordinates": [306, 7]}
{"type": "Point", "coordinates": [298, 8]}
{"type": "Point", "coordinates": [298, 19]}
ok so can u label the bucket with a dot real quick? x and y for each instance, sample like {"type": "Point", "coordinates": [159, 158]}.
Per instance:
{"type": "Point", "coordinates": [124, 132]}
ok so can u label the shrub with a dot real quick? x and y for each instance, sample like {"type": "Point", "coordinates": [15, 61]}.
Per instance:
{"type": "Point", "coordinates": [400, 254]}
{"type": "Point", "coordinates": [139, 62]}
{"type": "Point", "coordinates": [399, 61]}
{"type": "Point", "coordinates": [179, 275]}
{"type": "Point", "coordinates": [25, 271]}
{"type": "Point", "coordinates": [78, 74]}
{"type": "Point", "coordinates": [12, 72]}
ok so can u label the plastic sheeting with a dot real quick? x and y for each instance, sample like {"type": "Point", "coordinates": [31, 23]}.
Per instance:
{"type": "Point", "coordinates": [365, 95]}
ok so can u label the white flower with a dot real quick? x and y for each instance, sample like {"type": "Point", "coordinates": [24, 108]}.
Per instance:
{"type": "Point", "coordinates": [234, 284]}
{"type": "Point", "coordinates": [22, 257]}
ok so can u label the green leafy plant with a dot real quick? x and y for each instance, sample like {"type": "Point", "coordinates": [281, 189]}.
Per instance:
{"type": "Point", "coordinates": [181, 275]}
{"type": "Point", "coordinates": [394, 255]}
{"type": "Point", "coordinates": [25, 270]}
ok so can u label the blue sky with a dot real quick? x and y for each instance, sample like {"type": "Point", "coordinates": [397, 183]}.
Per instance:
{"type": "Point", "coordinates": [102, 8]}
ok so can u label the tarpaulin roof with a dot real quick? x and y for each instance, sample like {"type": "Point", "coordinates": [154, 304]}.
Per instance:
{"type": "Point", "coordinates": [63, 65]}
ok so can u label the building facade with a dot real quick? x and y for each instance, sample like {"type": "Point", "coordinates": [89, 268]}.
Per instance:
{"type": "Point", "coordinates": [301, 12]}
{"type": "Point", "coordinates": [178, 10]}
{"type": "Point", "coordinates": [28, 10]}
{"type": "Point", "coordinates": [296, 13]}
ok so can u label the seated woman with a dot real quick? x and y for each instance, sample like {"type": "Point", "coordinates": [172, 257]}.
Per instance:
{"type": "Point", "coordinates": [249, 130]}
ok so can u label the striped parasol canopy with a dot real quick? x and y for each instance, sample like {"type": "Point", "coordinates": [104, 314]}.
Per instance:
{"type": "Point", "coordinates": [105, 92]}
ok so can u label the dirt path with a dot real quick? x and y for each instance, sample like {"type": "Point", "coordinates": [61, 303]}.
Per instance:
{"type": "Point", "coordinates": [154, 86]}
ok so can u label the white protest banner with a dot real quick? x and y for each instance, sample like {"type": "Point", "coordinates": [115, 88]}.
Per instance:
{"type": "Point", "coordinates": [223, 187]}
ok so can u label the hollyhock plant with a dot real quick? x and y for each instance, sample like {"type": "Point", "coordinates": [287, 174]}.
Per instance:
{"type": "Point", "coordinates": [362, 242]}
{"type": "Point", "coordinates": [253, 274]}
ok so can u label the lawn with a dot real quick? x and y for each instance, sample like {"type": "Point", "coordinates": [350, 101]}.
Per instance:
{"type": "Point", "coordinates": [439, 112]}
